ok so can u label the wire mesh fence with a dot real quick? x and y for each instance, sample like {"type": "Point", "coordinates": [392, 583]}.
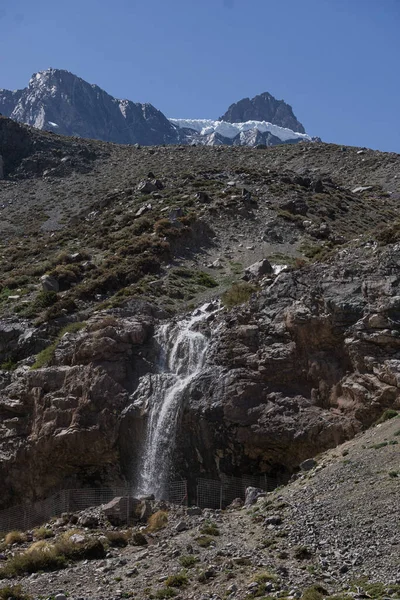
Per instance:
{"type": "Point", "coordinates": [177, 493]}
{"type": "Point", "coordinates": [211, 493]}
{"type": "Point", "coordinates": [26, 516]}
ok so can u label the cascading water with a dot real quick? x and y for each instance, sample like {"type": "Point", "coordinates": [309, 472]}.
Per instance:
{"type": "Point", "coordinates": [182, 357]}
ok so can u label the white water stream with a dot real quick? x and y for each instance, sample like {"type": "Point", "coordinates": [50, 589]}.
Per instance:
{"type": "Point", "coordinates": [183, 351]}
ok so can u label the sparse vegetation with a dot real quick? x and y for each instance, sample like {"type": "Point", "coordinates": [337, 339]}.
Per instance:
{"type": "Point", "coordinates": [14, 537]}
{"type": "Point", "coordinates": [8, 365]}
{"type": "Point", "coordinates": [13, 592]}
{"type": "Point", "coordinates": [177, 581]}
{"type": "Point", "coordinates": [117, 539]}
{"type": "Point", "coordinates": [157, 521]}
{"type": "Point", "coordinates": [204, 541]}
{"type": "Point", "coordinates": [209, 529]}
{"type": "Point", "coordinates": [42, 533]}
{"type": "Point", "coordinates": [239, 293]}
{"type": "Point", "coordinates": [44, 357]}
{"type": "Point", "coordinates": [315, 592]}
{"type": "Point", "coordinates": [389, 413]}
{"type": "Point", "coordinates": [167, 592]}
{"type": "Point", "coordinates": [188, 560]}
{"type": "Point", "coordinates": [46, 556]}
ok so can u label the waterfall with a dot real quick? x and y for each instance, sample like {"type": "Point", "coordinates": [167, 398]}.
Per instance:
{"type": "Point", "coordinates": [182, 356]}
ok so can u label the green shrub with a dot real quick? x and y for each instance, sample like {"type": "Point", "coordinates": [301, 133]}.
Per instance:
{"type": "Point", "coordinates": [13, 593]}
{"type": "Point", "coordinates": [205, 280]}
{"type": "Point", "coordinates": [45, 356]}
{"type": "Point", "coordinates": [118, 539]}
{"type": "Point", "coordinates": [41, 533]}
{"type": "Point", "coordinates": [238, 294]}
{"type": "Point", "coordinates": [209, 529]}
{"type": "Point", "coordinates": [9, 365]}
{"type": "Point", "coordinates": [188, 561]}
{"type": "Point", "coordinates": [315, 592]}
{"type": "Point", "coordinates": [44, 300]}
{"type": "Point", "coordinates": [265, 576]}
{"type": "Point", "coordinates": [389, 413]}
{"type": "Point", "coordinates": [288, 216]}
{"type": "Point", "coordinates": [204, 541]}
{"type": "Point", "coordinates": [380, 445]}
{"type": "Point", "coordinates": [176, 581]}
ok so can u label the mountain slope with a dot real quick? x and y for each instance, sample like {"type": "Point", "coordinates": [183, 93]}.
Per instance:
{"type": "Point", "coordinates": [58, 101]}
{"type": "Point", "coordinates": [263, 107]}
{"type": "Point", "coordinates": [117, 238]}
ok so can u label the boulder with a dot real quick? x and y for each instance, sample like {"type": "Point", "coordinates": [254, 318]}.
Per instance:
{"type": "Point", "coordinates": [144, 510]}
{"type": "Point", "coordinates": [252, 495]}
{"type": "Point", "coordinates": [259, 269]}
{"type": "Point", "coordinates": [146, 187]}
{"type": "Point", "coordinates": [49, 283]}
{"type": "Point", "coordinates": [120, 510]}
{"type": "Point", "coordinates": [181, 526]}
{"type": "Point", "coordinates": [143, 210]}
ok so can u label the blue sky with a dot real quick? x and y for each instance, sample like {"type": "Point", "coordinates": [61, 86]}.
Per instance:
{"type": "Point", "coordinates": [337, 62]}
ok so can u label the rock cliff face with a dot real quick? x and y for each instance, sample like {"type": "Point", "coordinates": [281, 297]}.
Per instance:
{"type": "Point", "coordinates": [311, 360]}
{"type": "Point", "coordinates": [263, 107]}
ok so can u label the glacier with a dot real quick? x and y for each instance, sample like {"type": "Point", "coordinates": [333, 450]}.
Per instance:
{"type": "Point", "coordinates": [231, 130]}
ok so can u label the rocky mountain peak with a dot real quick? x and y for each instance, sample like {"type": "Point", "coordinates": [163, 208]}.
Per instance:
{"type": "Point", "coordinates": [59, 101]}
{"type": "Point", "coordinates": [263, 107]}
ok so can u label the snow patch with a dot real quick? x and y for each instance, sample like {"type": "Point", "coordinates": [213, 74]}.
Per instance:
{"type": "Point", "coordinates": [52, 124]}
{"type": "Point", "coordinates": [231, 130]}
{"type": "Point", "coordinates": [278, 269]}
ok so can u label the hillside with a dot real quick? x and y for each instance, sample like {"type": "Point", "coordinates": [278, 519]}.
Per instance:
{"type": "Point", "coordinates": [186, 312]}
{"type": "Point", "coordinates": [333, 531]}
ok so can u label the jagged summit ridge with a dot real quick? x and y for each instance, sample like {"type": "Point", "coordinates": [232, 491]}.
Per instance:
{"type": "Point", "coordinates": [263, 107]}
{"type": "Point", "coordinates": [59, 101]}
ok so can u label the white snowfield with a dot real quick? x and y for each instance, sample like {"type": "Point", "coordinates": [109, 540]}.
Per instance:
{"type": "Point", "coordinates": [231, 130]}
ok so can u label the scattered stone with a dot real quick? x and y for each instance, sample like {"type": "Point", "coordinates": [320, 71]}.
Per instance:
{"type": "Point", "coordinates": [361, 188]}
{"type": "Point", "coordinates": [146, 187]}
{"type": "Point", "coordinates": [143, 209]}
{"type": "Point", "coordinates": [193, 511]}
